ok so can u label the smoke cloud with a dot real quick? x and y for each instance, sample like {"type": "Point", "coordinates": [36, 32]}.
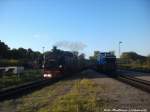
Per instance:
{"type": "Point", "coordinates": [74, 46]}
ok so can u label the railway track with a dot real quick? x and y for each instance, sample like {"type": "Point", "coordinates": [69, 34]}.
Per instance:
{"type": "Point", "coordinates": [136, 82]}
{"type": "Point", "coordinates": [15, 92]}
{"type": "Point", "coordinates": [27, 88]}
{"type": "Point", "coordinates": [23, 89]}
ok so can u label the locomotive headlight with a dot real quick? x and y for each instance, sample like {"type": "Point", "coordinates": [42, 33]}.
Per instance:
{"type": "Point", "coordinates": [60, 66]}
{"type": "Point", "coordinates": [49, 75]}
{"type": "Point", "coordinates": [45, 75]}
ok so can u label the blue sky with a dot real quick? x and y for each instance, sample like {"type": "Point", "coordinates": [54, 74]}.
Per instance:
{"type": "Point", "coordinates": [100, 24]}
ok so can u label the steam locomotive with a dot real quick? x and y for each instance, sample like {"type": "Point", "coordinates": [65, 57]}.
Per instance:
{"type": "Point", "coordinates": [58, 63]}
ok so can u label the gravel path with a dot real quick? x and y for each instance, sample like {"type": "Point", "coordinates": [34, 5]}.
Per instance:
{"type": "Point", "coordinates": [122, 96]}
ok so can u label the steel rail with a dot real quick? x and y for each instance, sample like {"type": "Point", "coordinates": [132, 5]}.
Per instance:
{"type": "Point", "coordinates": [136, 82]}
{"type": "Point", "coordinates": [15, 92]}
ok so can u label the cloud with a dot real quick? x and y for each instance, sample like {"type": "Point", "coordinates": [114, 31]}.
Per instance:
{"type": "Point", "coordinates": [74, 46]}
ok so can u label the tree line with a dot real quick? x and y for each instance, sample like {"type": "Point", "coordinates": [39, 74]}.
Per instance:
{"type": "Point", "coordinates": [20, 56]}
{"type": "Point", "coordinates": [27, 57]}
{"type": "Point", "coordinates": [132, 60]}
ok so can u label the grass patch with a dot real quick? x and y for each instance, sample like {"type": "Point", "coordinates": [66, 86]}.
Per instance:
{"type": "Point", "coordinates": [9, 80]}
{"type": "Point", "coordinates": [40, 101]}
{"type": "Point", "coordinates": [82, 98]}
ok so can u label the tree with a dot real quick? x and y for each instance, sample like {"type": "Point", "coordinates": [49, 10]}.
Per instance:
{"type": "Point", "coordinates": [132, 56]}
{"type": "Point", "coordinates": [14, 54]}
{"type": "Point", "coordinates": [30, 54]}
{"type": "Point", "coordinates": [3, 50]}
{"type": "Point", "coordinates": [22, 53]}
{"type": "Point", "coordinates": [134, 60]}
{"type": "Point", "coordinates": [95, 56]}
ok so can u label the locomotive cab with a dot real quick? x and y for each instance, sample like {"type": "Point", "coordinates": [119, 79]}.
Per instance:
{"type": "Point", "coordinates": [53, 68]}
{"type": "Point", "coordinates": [106, 62]}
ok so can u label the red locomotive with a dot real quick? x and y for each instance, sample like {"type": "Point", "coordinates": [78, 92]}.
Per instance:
{"type": "Point", "coordinates": [58, 63]}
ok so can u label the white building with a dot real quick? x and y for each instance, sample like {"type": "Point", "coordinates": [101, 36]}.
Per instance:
{"type": "Point", "coordinates": [14, 69]}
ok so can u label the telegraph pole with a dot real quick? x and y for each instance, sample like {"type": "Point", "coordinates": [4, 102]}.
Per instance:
{"type": "Point", "coordinates": [43, 58]}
